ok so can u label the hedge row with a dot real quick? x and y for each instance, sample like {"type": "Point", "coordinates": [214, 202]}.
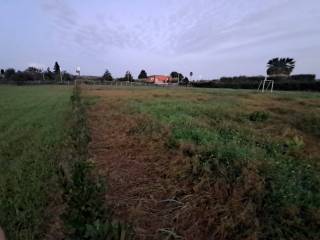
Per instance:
{"type": "Point", "coordinates": [293, 85]}
{"type": "Point", "coordinates": [307, 78]}
{"type": "Point", "coordinates": [34, 76]}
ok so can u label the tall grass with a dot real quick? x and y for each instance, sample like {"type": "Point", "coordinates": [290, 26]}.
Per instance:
{"type": "Point", "coordinates": [31, 123]}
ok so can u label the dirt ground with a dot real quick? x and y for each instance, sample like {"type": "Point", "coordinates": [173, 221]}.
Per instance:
{"type": "Point", "coordinates": [141, 189]}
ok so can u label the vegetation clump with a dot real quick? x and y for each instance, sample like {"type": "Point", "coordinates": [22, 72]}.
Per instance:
{"type": "Point", "coordinates": [259, 116]}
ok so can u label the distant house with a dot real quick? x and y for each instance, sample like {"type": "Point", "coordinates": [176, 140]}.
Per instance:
{"type": "Point", "coordinates": [159, 79]}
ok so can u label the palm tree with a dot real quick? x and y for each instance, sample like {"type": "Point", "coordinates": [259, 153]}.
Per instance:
{"type": "Point", "coordinates": [280, 66]}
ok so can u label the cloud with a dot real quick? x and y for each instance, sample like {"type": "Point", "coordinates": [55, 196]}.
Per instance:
{"type": "Point", "coordinates": [174, 29]}
{"type": "Point", "coordinates": [95, 35]}
{"type": "Point", "coordinates": [63, 14]}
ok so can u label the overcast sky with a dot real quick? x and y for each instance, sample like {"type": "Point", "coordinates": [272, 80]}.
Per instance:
{"type": "Point", "coordinates": [212, 38]}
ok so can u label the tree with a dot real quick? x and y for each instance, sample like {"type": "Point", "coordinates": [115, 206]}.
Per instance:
{"type": "Point", "coordinates": [33, 70]}
{"type": "Point", "coordinates": [280, 66]}
{"type": "Point", "coordinates": [181, 77]}
{"type": "Point", "coordinates": [143, 75]}
{"type": "Point", "coordinates": [57, 72]}
{"type": "Point", "coordinates": [128, 77]}
{"type": "Point", "coordinates": [56, 68]}
{"type": "Point", "coordinates": [176, 75]}
{"type": "Point", "coordinates": [49, 74]}
{"type": "Point", "coordinates": [9, 73]}
{"type": "Point", "coordinates": [25, 76]}
{"type": "Point", "coordinates": [2, 71]}
{"type": "Point", "coordinates": [67, 76]}
{"type": "Point", "coordinates": [185, 81]}
{"type": "Point", "coordinates": [107, 76]}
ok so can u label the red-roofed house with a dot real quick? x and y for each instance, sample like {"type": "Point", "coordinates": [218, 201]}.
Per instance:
{"type": "Point", "coordinates": [158, 79]}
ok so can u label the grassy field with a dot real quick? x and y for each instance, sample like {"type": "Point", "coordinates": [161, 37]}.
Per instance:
{"type": "Point", "coordinates": [178, 163]}
{"type": "Point", "coordinates": [242, 165]}
{"type": "Point", "coordinates": [32, 121]}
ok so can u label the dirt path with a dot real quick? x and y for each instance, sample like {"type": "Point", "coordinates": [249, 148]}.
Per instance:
{"type": "Point", "coordinates": [141, 188]}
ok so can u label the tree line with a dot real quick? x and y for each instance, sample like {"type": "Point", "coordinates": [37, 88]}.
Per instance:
{"type": "Point", "coordinates": [35, 74]}
{"type": "Point", "coordinates": [279, 69]}
{"type": "Point", "coordinates": [176, 76]}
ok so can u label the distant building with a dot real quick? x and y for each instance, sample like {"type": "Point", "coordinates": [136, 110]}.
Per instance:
{"type": "Point", "coordinates": [159, 79]}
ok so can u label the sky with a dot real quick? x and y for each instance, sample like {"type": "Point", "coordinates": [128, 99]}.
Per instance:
{"type": "Point", "coordinates": [211, 38]}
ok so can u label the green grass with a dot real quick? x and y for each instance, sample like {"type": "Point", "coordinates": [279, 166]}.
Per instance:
{"type": "Point", "coordinates": [32, 126]}
{"type": "Point", "coordinates": [261, 149]}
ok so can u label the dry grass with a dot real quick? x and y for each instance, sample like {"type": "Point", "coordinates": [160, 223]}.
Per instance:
{"type": "Point", "coordinates": [189, 164]}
